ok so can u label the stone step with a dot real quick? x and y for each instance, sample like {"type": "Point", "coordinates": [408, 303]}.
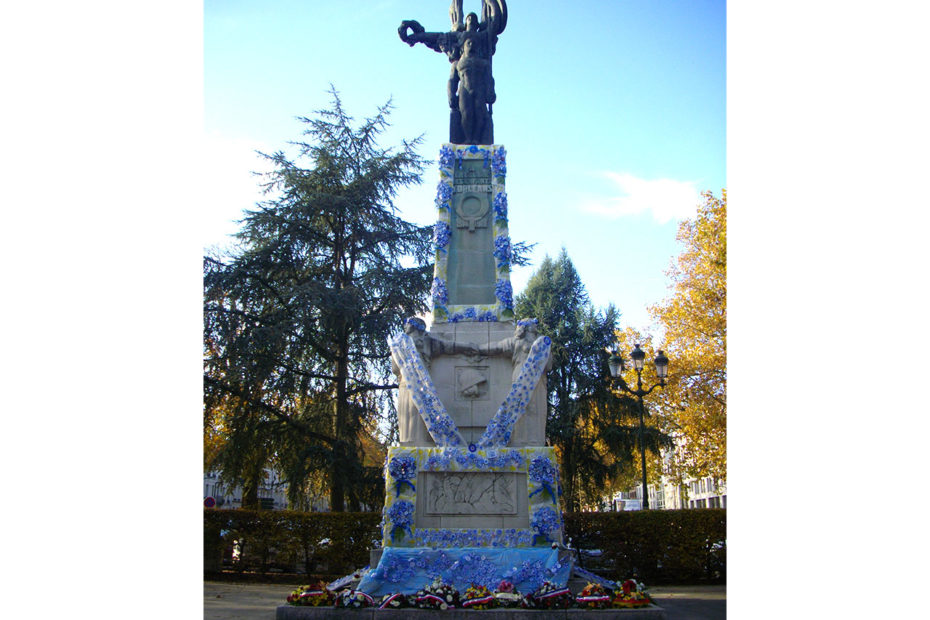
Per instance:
{"type": "Point", "coordinates": [290, 612]}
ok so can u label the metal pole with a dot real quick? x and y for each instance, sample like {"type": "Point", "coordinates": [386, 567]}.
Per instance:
{"type": "Point", "coordinates": [642, 448]}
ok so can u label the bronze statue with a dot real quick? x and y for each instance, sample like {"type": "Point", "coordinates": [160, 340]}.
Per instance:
{"type": "Point", "coordinates": [470, 46]}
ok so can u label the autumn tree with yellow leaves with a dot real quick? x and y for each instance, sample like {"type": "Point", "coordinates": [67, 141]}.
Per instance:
{"type": "Point", "coordinates": [693, 406]}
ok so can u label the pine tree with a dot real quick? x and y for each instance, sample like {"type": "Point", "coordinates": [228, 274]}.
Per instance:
{"type": "Point", "coordinates": [592, 428]}
{"type": "Point", "coordinates": [296, 368]}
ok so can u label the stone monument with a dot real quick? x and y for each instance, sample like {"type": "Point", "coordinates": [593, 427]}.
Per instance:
{"type": "Point", "coordinates": [472, 490]}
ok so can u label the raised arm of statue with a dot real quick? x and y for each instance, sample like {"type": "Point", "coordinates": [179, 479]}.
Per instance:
{"type": "Point", "coordinates": [433, 40]}
{"type": "Point", "coordinates": [494, 16]}
{"type": "Point", "coordinates": [456, 16]}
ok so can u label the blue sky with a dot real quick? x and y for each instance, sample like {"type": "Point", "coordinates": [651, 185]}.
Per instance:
{"type": "Point", "coordinates": [613, 115]}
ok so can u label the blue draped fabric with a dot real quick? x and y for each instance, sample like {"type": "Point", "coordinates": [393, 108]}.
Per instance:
{"type": "Point", "coordinates": [407, 570]}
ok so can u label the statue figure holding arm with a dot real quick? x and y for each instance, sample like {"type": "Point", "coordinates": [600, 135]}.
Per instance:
{"type": "Point", "coordinates": [428, 347]}
{"type": "Point", "coordinates": [471, 83]}
{"type": "Point", "coordinates": [518, 346]}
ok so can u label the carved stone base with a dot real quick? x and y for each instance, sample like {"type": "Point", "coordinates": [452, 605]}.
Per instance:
{"type": "Point", "coordinates": [447, 497]}
{"type": "Point", "coordinates": [288, 612]}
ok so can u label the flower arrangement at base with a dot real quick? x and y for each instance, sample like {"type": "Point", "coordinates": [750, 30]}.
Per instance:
{"type": "Point", "coordinates": [593, 596]}
{"type": "Point", "coordinates": [393, 601]}
{"type": "Point", "coordinates": [437, 595]}
{"type": "Point", "coordinates": [506, 596]}
{"type": "Point", "coordinates": [353, 599]}
{"type": "Point", "coordinates": [632, 594]}
{"type": "Point", "coordinates": [478, 597]}
{"type": "Point", "coordinates": [549, 596]}
{"type": "Point", "coordinates": [312, 596]}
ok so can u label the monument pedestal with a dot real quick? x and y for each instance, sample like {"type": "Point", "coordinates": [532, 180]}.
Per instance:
{"type": "Point", "coordinates": [469, 517]}
{"type": "Point", "coordinates": [472, 493]}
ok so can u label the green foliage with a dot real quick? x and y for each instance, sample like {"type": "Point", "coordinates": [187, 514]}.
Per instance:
{"type": "Point", "coordinates": [296, 368]}
{"type": "Point", "coordinates": [595, 431]}
{"type": "Point", "coordinates": [660, 546]}
{"type": "Point", "coordinates": [656, 546]}
{"type": "Point", "coordinates": [322, 543]}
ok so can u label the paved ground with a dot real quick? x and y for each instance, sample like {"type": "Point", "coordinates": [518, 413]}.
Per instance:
{"type": "Point", "coordinates": [249, 601]}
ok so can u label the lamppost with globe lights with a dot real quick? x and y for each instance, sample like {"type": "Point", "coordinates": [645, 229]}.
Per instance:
{"type": "Point", "coordinates": [615, 363]}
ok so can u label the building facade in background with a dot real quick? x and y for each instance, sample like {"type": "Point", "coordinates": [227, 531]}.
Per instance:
{"type": "Point", "coordinates": [703, 493]}
{"type": "Point", "coordinates": [272, 494]}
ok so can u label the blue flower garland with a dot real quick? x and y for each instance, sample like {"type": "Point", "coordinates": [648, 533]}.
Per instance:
{"type": "Point", "coordinates": [500, 207]}
{"type": "Point", "coordinates": [504, 293]}
{"type": "Point", "coordinates": [439, 292]}
{"type": "Point", "coordinates": [442, 234]}
{"type": "Point", "coordinates": [499, 164]}
{"type": "Point", "coordinates": [443, 195]}
{"type": "Point", "coordinates": [403, 469]}
{"type": "Point", "coordinates": [400, 515]}
{"type": "Point", "coordinates": [446, 156]}
{"type": "Point", "coordinates": [545, 520]}
{"type": "Point", "coordinates": [544, 473]}
{"type": "Point", "coordinates": [502, 251]}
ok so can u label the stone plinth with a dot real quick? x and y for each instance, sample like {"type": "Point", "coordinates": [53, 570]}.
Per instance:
{"type": "Point", "coordinates": [288, 612]}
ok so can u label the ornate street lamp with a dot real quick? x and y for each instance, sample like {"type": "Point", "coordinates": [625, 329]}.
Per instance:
{"type": "Point", "coordinates": [616, 371]}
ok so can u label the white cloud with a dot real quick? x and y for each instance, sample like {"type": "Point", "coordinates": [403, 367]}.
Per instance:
{"type": "Point", "coordinates": [666, 199]}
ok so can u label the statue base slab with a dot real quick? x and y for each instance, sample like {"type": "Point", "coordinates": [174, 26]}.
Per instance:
{"type": "Point", "coordinates": [289, 612]}
{"type": "Point", "coordinates": [406, 570]}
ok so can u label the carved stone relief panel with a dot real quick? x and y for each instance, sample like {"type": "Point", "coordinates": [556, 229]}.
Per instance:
{"type": "Point", "coordinates": [471, 383]}
{"type": "Point", "coordinates": [470, 493]}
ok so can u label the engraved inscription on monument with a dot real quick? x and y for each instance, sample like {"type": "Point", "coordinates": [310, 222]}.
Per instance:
{"type": "Point", "coordinates": [466, 493]}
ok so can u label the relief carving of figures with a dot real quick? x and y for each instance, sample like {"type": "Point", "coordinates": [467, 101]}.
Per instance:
{"type": "Point", "coordinates": [470, 46]}
{"type": "Point", "coordinates": [471, 493]}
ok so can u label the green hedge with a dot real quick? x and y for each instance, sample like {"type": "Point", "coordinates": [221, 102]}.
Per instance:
{"type": "Point", "coordinates": [663, 546]}
{"type": "Point", "coordinates": [290, 541]}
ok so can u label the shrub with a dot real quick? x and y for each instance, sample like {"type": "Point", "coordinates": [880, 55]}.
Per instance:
{"type": "Point", "coordinates": [318, 542]}
{"type": "Point", "coordinates": [662, 546]}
